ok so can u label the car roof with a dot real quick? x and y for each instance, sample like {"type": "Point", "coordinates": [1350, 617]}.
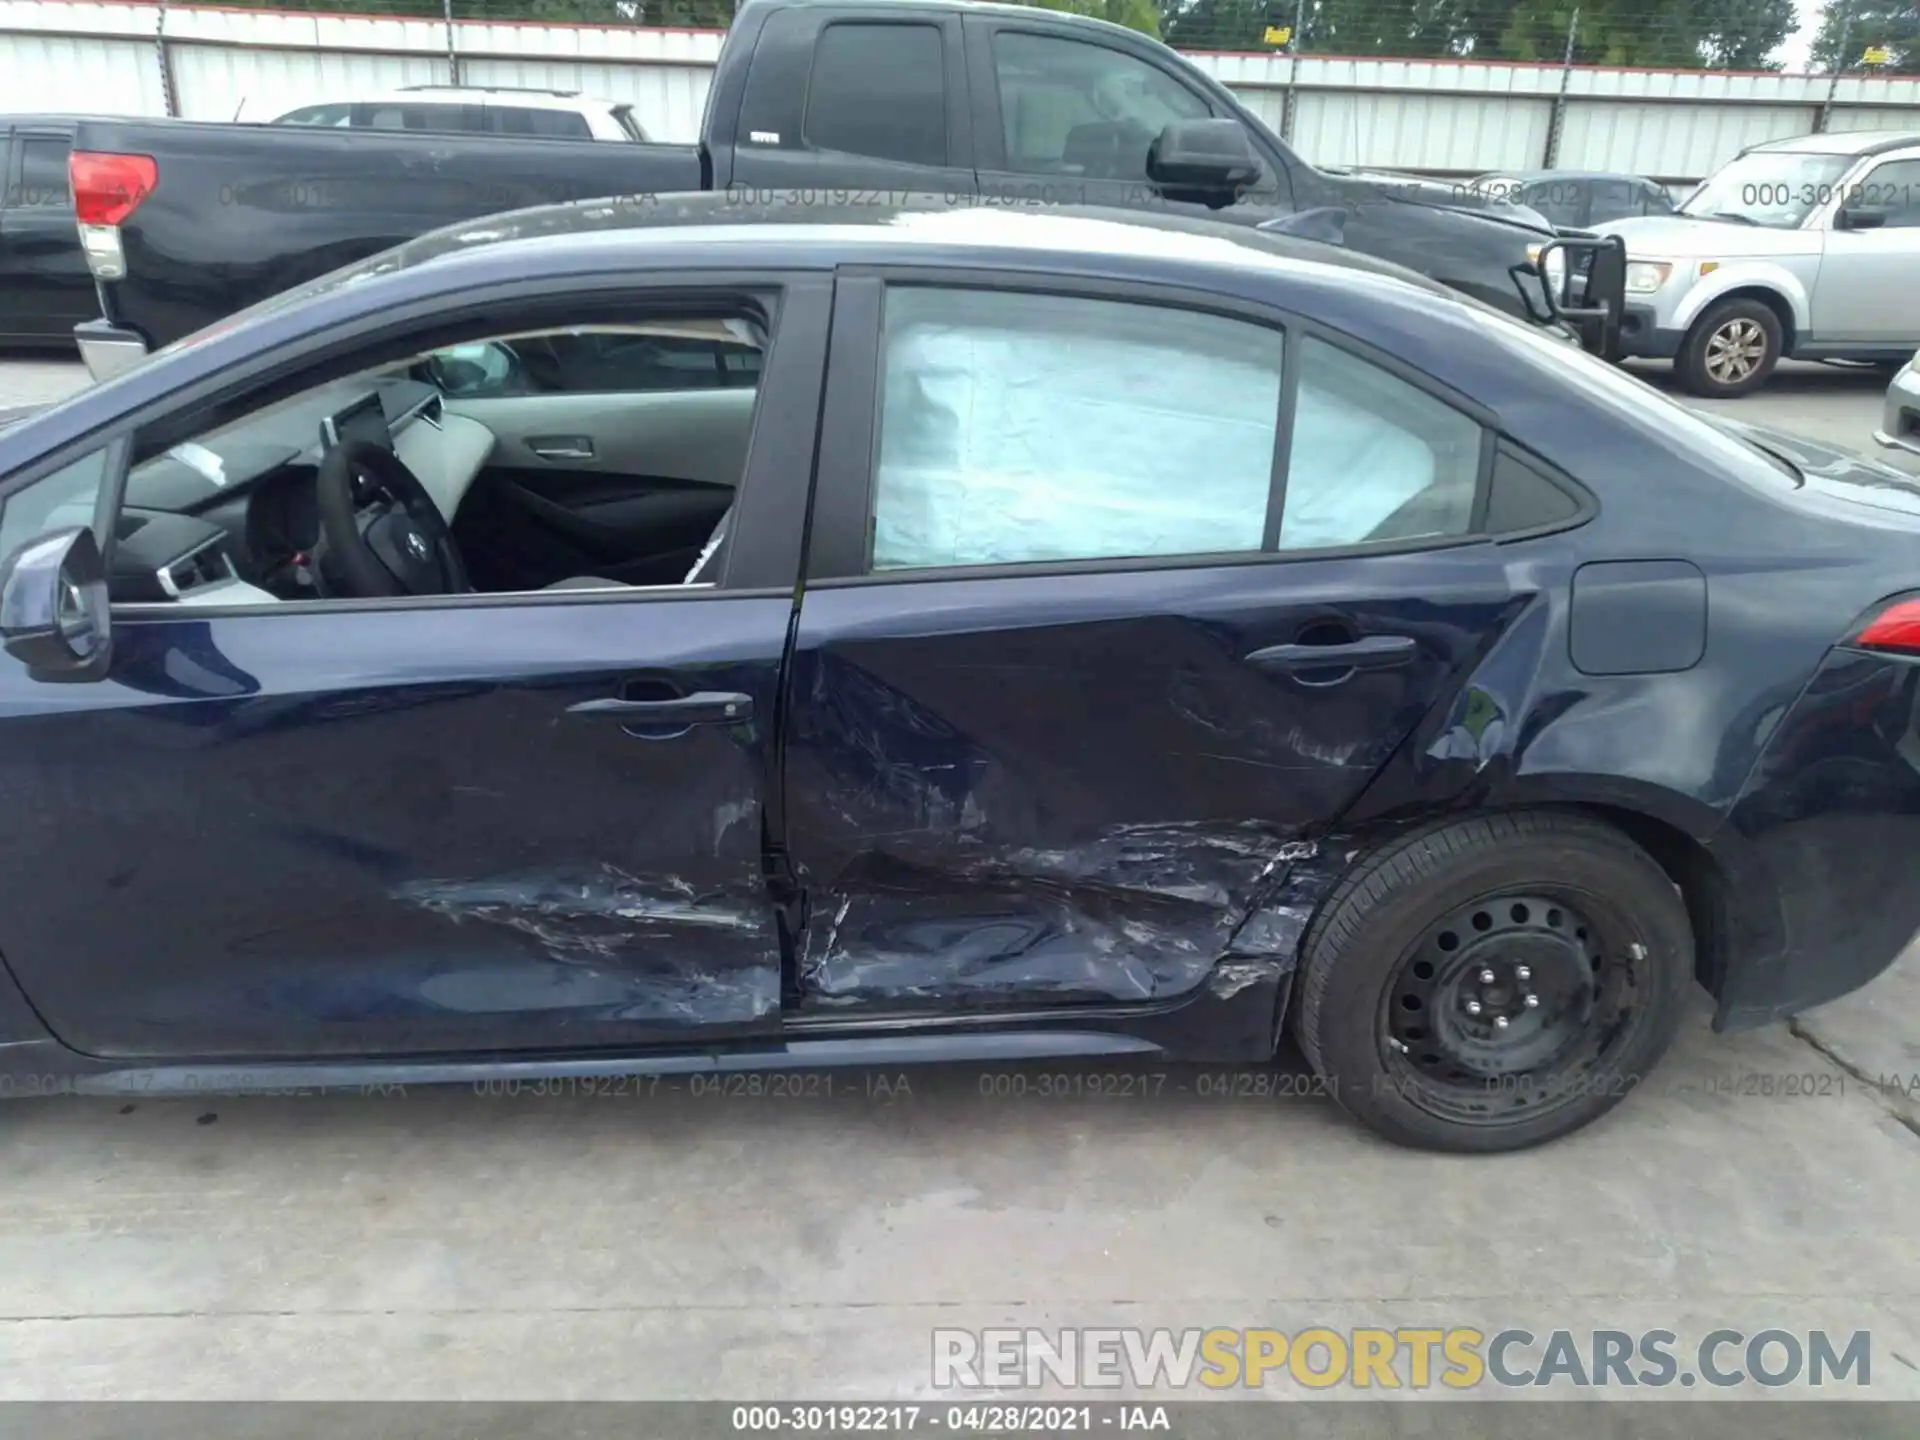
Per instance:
{"type": "Point", "coordinates": [1032, 16]}
{"type": "Point", "coordinates": [905, 219]}
{"type": "Point", "coordinates": [1844, 142]}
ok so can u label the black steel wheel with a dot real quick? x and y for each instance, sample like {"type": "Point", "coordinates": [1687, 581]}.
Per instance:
{"type": "Point", "coordinates": [1493, 983]}
{"type": "Point", "coordinates": [1505, 1003]}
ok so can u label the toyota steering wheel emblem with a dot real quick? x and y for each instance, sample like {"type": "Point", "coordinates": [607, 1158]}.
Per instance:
{"type": "Point", "coordinates": [416, 547]}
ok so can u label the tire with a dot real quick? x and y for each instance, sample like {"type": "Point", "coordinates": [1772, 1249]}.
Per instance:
{"type": "Point", "coordinates": [1548, 891]}
{"type": "Point", "coordinates": [1731, 350]}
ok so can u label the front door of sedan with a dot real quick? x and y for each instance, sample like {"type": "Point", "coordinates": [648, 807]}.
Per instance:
{"type": "Point", "coordinates": [1111, 603]}
{"type": "Point", "coordinates": [474, 823]}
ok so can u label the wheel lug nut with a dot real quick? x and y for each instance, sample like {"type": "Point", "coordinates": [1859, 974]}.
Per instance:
{"type": "Point", "coordinates": [1499, 1022]}
{"type": "Point", "coordinates": [1533, 1002]}
{"type": "Point", "coordinates": [1522, 972]}
{"type": "Point", "coordinates": [1487, 977]}
{"type": "Point", "coordinates": [1473, 1007]}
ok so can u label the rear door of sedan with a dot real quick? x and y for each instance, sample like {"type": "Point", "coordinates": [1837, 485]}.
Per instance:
{"type": "Point", "coordinates": [1115, 594]}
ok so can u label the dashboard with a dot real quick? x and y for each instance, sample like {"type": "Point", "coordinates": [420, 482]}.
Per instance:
{"type": "Point", "coordinates": [231, 518]}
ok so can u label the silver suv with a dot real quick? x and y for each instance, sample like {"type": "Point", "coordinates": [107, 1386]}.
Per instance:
{"type": "Point", "coordinates": [1808, 248]}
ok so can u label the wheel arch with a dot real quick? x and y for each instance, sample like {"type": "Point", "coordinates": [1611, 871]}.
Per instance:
{"type": "Point", "coordinates": [1781, 295]}
{"type": "Point", "coordinates": [1682, 835]}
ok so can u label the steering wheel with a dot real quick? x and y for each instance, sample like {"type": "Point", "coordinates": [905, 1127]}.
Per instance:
{"type": "Point", "coordinates": [400, 545]}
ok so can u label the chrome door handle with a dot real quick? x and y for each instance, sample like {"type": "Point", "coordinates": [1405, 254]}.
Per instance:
{"type": "Point", "coordinates": [561, 447]}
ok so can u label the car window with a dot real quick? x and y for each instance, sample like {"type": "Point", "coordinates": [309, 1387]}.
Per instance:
{"type": "Point", "coordinates": [880, 90]}
{"type": "Point", "coordinates": [438, 119]}
{"type": "Point", "coordinates": [1068, 107]}
{"type": "Point", "coordinates": [43, 174]}
{"type": "Point", "coordinates": [341, 114]}
{"type": "Point", "coordinates": [1892, 189]}
{"type": "Point", "coordinates": [595, 364]}
{"type": "Point", "coordinates": [1560, 200]}
{"type": "Point", "coordinates": [1373, 458]}
{"type": "Point", "coordinates": [1655, 200]}
{"type": "Point", "coordinates": [1613, 200]}
{"type": "Point", "coordinates": [550, 124]}
{"type": "Point", "coordinates": [53, 502]}
{"type": "Point", "coordinates": [1021, 428]}
{"type": "Point", "coordinates": [630, 127]}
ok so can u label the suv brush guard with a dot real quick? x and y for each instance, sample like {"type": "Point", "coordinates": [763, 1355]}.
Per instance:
{"type": "Point", "coordinates": [1597, 265]}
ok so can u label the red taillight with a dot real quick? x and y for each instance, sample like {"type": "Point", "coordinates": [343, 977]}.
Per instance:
{"type": "Point", "coordinates": [1895, 628]}
{"type": "Point", "coordinates": [108, 188]}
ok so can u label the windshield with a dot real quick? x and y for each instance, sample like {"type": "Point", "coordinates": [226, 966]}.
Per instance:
{"type": "Point", "coordinates": [1774, 188]}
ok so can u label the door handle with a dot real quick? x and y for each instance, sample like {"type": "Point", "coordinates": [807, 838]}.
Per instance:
{"type": "Point", "coordinates": [703, 707]}
{"type": "Point", "coordinates": [562, 447]}
{"type": "Point", "coordinates": [1369, 652]}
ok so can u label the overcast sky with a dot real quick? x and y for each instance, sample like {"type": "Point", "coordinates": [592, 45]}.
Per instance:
{"type": "Point", "coordinates": [1800, 43]}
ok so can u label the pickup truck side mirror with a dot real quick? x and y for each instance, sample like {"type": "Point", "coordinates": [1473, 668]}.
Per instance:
{"type": "Point", "coordinates": [1209, 158]}
{"type": "Point", "coordinates": [53, 607]}
{"type": "Point", "coordinates": [1850, 217]}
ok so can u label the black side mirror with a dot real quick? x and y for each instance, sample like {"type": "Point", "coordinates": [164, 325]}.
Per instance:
{"type": "Point", "coordinates": [1210, 158]}
{"type": "Point", "coordinates": [1851, 218]}
{"type": "Point", "coordinates": [53, 607]}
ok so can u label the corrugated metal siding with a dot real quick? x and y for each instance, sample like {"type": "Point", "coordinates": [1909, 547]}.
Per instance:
{"type": "Point", "coordinates": [67, 55]}
{"type": "Point", "coordinates": [58, 74]}
{"type": "Point", "coordinates": [1420, 132]}
{"type": "Point", "coordinates": [1670, 140]}
{"type": "Point", "coordinates": [214, 79]}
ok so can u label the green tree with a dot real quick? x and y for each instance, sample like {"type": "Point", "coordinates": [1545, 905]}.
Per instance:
{"type": "Point", "coordinates": [1141, 15]}
{"type": "Point", "coordinates": [1850, 27]}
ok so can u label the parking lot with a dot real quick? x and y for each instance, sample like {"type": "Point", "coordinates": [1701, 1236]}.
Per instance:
{"type": "Point", "coordinates": [693, 1244]}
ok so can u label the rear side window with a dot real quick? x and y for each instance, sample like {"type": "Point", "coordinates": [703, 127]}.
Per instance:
{"type": "Point", "coordinates": [1033, 429]}
{"type": "Point", "coordinates": [1027, 428]}
{"type": "Point", "coordinates": [1373, 458]}
{"type": "Point", "coordinates": [879, 90]}
{"type": "Point", "coordinates": [548, 124]}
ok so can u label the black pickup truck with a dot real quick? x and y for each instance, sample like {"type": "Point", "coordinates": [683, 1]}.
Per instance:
{"type": "Point", "coordinates": [824, 100]}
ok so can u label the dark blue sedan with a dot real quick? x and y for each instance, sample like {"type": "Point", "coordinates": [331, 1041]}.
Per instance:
{"type": "Point", "coordinates": [666, 636]}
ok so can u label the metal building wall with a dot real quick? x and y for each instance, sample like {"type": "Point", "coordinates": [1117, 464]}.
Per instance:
{"type": "Point", "coordinates": [1456, 117]}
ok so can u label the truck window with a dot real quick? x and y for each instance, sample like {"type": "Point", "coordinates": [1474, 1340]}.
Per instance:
{"type": "Point", "coordinates": [1069, 107]}
{"type": "Point", "coordinates": [879, 89]}
{"type": "Point", "coordinates": [43, 174]}
{"type": "Point", "coordinates": [547, 124]}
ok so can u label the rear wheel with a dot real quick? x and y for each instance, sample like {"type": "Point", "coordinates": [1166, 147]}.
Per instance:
{"type": "Point", "coordinates": [1731, 350]}
{"type": "Point", "coordinates": [1496, 982]}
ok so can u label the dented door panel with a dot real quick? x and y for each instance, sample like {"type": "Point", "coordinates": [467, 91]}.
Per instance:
{"type": "Point", "coordinates": [381, 832]}
{"type": "Point", "coordinates": [1013, 790]}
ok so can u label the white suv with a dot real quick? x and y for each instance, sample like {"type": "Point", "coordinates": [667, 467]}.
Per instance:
{"type": "Point", "coordinates": [445, 109]}
{"type": "Point", "coordinates": [1806, 248]}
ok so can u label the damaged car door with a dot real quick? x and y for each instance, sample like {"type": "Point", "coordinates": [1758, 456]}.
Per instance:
{"type": "Point", "coordinates": [1113, 606]}
{"type": "Point", "coordinates": [440, 823]}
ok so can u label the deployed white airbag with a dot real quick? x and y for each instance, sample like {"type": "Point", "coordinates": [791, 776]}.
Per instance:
{"type": "Point", "coordinates": [1029, 428]}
